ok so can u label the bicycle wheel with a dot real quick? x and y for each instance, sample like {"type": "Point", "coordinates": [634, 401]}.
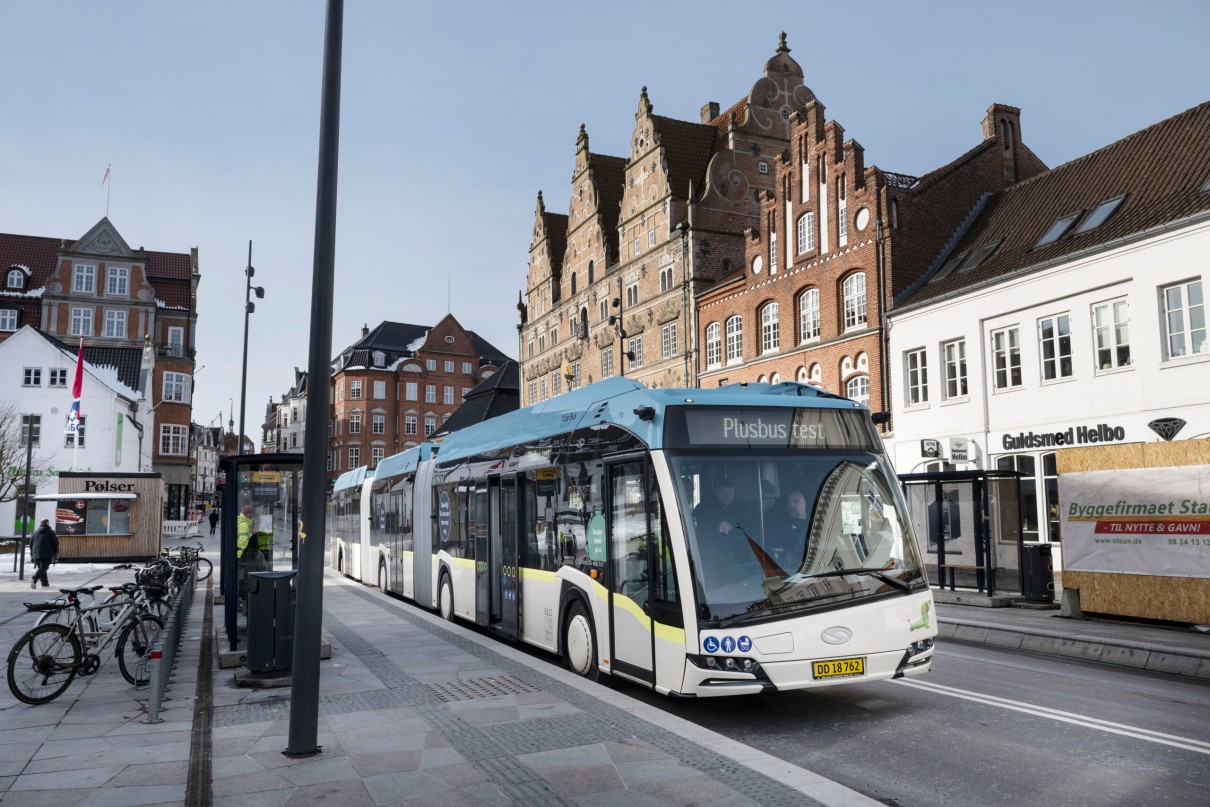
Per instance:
{"type": "Point", "coordinates": [43, 663]}
{"type": "Point", "coordinates": [204, 568]}
{"type": "Point", "coordinates": [133, 644]}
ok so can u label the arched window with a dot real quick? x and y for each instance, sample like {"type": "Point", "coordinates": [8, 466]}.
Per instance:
{"type": "Point", "coordinates": [808, 315]}
{"type": "Point", "coordinates": [806, 233]}
{"type": "Point", "coordinates": [801, 376]}
{"type": "Point", "coordinates": [573, 282]}
{"type": "Point", "coordinates": [775, 378]}
{"type": "Point", "coordinates": [735, 339]}
{"type": "Point", "coordinates": [714, 345]}
{"type": "Point", "coordinates": [665, 278]}
{"type": "Point", "coordinates": [854, 301]}
{"type": "Point", "coordinates": [583, 323]}
{"type": "Point", "coordinates": [591, 273]}
{"type": "Point", "coordinates": [769, 337]}
{"type": "Point", "coordinates": [16, 279]}
{"type": "Point", "coordinates": [857, 388]}
{"type": "Point", "coordinates": [816, 376]}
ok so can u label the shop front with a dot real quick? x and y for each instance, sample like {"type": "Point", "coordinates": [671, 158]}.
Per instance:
{"type": "Point", "coordinates": [108, 517]}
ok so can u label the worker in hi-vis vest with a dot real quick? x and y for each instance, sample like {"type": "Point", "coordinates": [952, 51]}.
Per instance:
{"type": "Point", "coordinates": [243, 530]}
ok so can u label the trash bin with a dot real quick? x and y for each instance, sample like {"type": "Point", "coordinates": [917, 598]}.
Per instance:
{"type": "Point", "coordinates": [1038, 571]}
{"type": "Point", "coordinates": [271, 621]}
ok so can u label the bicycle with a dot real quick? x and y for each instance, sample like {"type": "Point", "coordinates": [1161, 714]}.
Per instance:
{"type": "Point", "coordinates": [44, 662]}
{"type": "Point", "coordinates": [202, 567]}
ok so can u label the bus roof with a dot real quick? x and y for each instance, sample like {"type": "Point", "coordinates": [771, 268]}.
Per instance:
{"type": "Point", "coordinates": [352, 479]}
{"type": "Point", "coordinates": [404, 461]}
{"type": "Point", "coordinates": [615, 400]}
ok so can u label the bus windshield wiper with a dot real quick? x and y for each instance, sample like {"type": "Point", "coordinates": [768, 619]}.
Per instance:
{"type": "Point", "coordinates": [764, 609]}
{"type": "Point", "coordinates": [879, 573]}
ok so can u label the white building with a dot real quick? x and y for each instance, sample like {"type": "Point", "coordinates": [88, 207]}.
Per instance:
{"type": "Point", "coordinates": [1068, 311]}
{"type": "Point", "coordinates": [38, 373]}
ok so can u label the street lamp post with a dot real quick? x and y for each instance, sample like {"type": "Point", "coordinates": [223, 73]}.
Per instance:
{"type": "Point", "coordinates": [249, 307]}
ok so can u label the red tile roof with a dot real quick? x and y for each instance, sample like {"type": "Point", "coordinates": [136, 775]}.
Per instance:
{"type": "Point", "coordinates": [609, 173]}
{"type": "Point", "coordinates": [33, 251]}
{"type": "Point", "coordinates": [688, 148]}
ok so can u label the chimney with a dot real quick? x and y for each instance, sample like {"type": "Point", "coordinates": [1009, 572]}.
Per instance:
{"type": "Point", "coordinates": [365, 331]}
{"type": "Point", "coordinates": [709, 111]}
{"type": "Point", "coordinates": [1003, 123]}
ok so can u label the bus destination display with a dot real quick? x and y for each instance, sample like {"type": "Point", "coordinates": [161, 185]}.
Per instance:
{"type": "Point", "coordinates": [769, 428]}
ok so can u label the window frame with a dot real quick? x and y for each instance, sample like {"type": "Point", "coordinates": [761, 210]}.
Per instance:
{"type": "Point", "coordinates": [1009, 350]}
{"type": "Point", "coordinates": [734, 339]}
{"type": "Point", "coordinates": [173, 387]}
{"type": "Point", "coordinates": [8, 317]}
{"type": "Point", "coordinates": [714, 345]}
{"type": "Point", "coordinates": [1188, 332]}
{"type": "Point", "coordinates": [1113, 329]}
{"type": "Point", "coordinates": [803, 330]}
{"type": "Point", "coordinates": [862, 379]}
{"type": "Point", "coordinates": [31, 377]}
{"type": "Point", "coordinates": [113, 315]}
{"type": "Point", "coordinates": [956, 384]}
{"type": "Point", "coordinates": [854, 301]}
{"type": "Point", "coordinates": [84, 278]}
{"type": "Point", "coordinates": [668, 340]}
{"type": "Point", "coordinates": [81, 320]}
{"type": "Point", "coordinates": [1055, 343]}
{"type": "Point", "coordinates": [117, 273]}
{"type": "Point", "coordinates": [916, 383]}
{"type": "Point", "coordinates": [170, 435]}
{"type": "Point", "coordinates": [770, 328]}
{"type": "Point", "coordinates": [806, 233]}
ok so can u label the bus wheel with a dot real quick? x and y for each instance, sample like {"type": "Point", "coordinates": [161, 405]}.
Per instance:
{"type": "Point", "coordinates": [382, 577]}
{"type": "Point", "coordinates": [580, 644]}
{"type": "Point", "coordinates": [446, 599]}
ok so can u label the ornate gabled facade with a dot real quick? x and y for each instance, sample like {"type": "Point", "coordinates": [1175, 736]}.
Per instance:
{"type": "Point", "coordinates": [611, 286]}
{"type": "Point", "coordinates": [836, 240]}
{"type": "Point", "coordinates": [135, 310]}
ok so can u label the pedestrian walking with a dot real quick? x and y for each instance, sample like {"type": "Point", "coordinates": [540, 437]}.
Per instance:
{"type": "Point", "coordinates": [43, 550]}
{"type": "Point", "coordinates": [213, 520]}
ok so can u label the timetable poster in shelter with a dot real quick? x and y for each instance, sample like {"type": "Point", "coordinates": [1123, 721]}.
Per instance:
{"type": "Point", "coordinates": [71, 517]}
{"type": "Point", "coordinates": [1153, 521]}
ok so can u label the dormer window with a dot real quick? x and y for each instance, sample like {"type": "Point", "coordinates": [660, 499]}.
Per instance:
{"type": "Point", "coordinates": [380, 359]}
{"type": "Point", "coordinates": [1101, 214]}
{"type": "Point", "coordinates": [1058, 229]}
{"type": "Point", "coordinates": [16, 278]}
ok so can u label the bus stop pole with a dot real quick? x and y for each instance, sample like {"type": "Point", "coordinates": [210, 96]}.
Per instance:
{"type": "Point", "coordinates": [308, 614]}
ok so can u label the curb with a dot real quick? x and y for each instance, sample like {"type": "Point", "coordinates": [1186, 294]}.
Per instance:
{"type": "Point", "coordinates": [1119, 652]}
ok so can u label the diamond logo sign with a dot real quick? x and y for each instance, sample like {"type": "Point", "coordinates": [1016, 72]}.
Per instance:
{"type": "Point", "coordinates": [1166, 428]}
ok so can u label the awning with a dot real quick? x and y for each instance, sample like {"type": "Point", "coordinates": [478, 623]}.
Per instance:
{"type": "Point", "coordinates": [62, 497]}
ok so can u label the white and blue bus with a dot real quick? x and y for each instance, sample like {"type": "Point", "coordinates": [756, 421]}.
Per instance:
{"type": "Point", "coordinates": [348, 523]}
{"type": "Point", "coordinates": [700, 542]}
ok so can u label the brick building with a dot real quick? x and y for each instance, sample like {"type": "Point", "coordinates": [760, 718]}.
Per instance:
{"type": "Point", "coordinates": [835, 242]}
{"type": "Point", "coordinates": [611, 285]}
{"type": "Point", "coordinates": [398, 384]}
{"type": "Point", "coordinates": [136, 311]}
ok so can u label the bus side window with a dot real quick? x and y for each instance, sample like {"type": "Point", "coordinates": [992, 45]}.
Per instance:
{"type": "Point", "coordinates": [666, 598]}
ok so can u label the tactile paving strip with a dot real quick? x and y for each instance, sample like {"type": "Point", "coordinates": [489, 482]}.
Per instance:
{"type": "Point", "coordinates": [480, 688]}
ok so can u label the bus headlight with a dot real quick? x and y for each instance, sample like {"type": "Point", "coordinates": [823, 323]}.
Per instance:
{"type": "Point", "coordinates": [726, 664]}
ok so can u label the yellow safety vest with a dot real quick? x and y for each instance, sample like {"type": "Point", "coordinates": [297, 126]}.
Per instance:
{"type": "Point", "coordinates": [243, 534]}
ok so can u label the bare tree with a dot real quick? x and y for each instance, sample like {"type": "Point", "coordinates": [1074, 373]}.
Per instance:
{"type": "Point", "coordinates": [13, 452]}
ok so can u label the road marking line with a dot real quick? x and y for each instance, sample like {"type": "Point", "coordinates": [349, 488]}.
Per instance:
{"type": "Point", "coordinates": [1067, 717]}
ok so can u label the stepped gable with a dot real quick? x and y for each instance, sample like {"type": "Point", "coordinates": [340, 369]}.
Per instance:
{"type": "Point", "coordinates": [1162, 170]}
{"type": "Point", "coordinates": [609, 176]}
{"type": "Point", "coordinates": [688, 148]}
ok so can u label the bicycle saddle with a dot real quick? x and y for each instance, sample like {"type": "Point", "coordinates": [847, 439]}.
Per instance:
{"type": "Point", "coordinates": [78, 591]}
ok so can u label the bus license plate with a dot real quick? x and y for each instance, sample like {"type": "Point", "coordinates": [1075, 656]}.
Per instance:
{"type": "Point", "coordinates": [838, 668]}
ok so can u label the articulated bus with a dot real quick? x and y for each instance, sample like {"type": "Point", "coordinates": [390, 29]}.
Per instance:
{"type": "Point", "coordinates": [348, 523]}
{"type": "Point", "coordinates": [700, 542]}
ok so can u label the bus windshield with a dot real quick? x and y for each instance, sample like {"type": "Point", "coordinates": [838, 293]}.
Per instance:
{"type": "Point", "coordinates": [772, 535]}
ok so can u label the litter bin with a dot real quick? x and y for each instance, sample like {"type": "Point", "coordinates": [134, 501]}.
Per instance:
{"type": "Point", "coordinates": [1038, 570]}
{"type": "Point", "coordinates": [271, 621]}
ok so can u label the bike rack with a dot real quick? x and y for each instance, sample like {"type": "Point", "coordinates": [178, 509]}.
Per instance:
{"type": "Point", "coordinates": [161, 657]}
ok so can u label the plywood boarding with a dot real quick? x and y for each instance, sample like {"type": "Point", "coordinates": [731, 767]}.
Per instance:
{"type": "Point", "coordinates": [1175, 599]}
{"type": "Point", "coordinates": [146, 520]}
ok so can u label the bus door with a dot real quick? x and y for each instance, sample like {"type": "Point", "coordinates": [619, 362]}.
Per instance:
{"type": "Point", "coordinates": [422, 521]}
{"type": "Point", "coordinates": [631, 541]}
{"type": "Point", "coordinates": [506, 588]}
{"type": "Point", "coordinates": [481, 536]}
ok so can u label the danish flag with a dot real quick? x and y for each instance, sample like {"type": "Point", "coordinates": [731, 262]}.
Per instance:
{"type": "Point", "coordinates": [77, 386]}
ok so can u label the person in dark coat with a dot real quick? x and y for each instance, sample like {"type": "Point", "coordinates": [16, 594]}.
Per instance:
{"type": "Point", "coordinates": [43, 550]}
{"type": "Point", "coordinates": [213, 521]}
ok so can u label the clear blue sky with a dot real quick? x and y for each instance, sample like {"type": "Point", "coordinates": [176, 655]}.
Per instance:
{"type": "Point", "coordinates": [454, 115]}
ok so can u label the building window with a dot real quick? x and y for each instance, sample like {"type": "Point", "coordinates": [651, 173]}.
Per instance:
{"type": "Point", "coordinates": [632, 295]}
{"type": "Point", "coordinates": [36, 436]}
{"type": "Point", "coordinates": [806, 233]}
{"type": "Point", "coordinates": [735, 339]}
{"type": "Point", "coordinates": [770, 339]}
{"type": "Point", "coordinates": [355, 390]}
{"type": "Point", "coordinates": [916, 368]}
{"type": "Point", "coordinates": [81, 321]}
{"type": "Point", "coordinates": [556, 383]}
{"type": "Point", "coordinates": [533, 392]}
{"type": "Point", "coordinates": [430, 393]}
{"type": "Point", "coordinates": [668, 340]}
{"type": "Point", "coordinates": [842, 218]}
{"type": "Point", "coordinates": [591, 272]}
{"type": "Point", "coordinates": [117, 281]}
{"type": "Point", "coordinates": [32, 377]}
{"type": "Point", "coordinates": [16, 279]}
{"type": "Point", "coordinates": [1054, 333]}
{"type": "Point", "coordinates": [858, 389]}
{"type": "Point", "coordinates": [530, 347]}
{"type": "Point", "coordinates": [714, 345]}
{"type": "Point", "coordinates": [430, 425]}
{"type": "Point", "coordinates": [854, 301]}
{"type": "Point", "coordinates": [431, 365]}
{"type": "Point", "coordinates": [575, 376]}
{"type": "Point", "coordinates": [376, 455]}
{"type": "Point", "coordinates": [665, 278]}
{"type": "Point", "coordinates": [554, 335]}
{"type": "Point", "coordinates": [634, 347]}
{"type": "Point", "coordinates": [606, 362]}
{"type": "Point", "coordinates": [176, 341]}
{"type": "Point", "coordinates": [637, 246]}
{"type": "Point", "coordinates": [8, 319]}
{"type": "Point", "coordinates": [379, 424]}
{"type": "Point", "coordinates": [84, 279]}
{"type": "Point", "coordinates": [574, 285]}
{"type": "Point", "coordinates": [115, 324]}
{"type": "Point", "coordinates": [354, 456]}
{"type": "Point", "coordinates": [354, 424]}
{"type": "Point", "coordinates": [175, 387]}
{"type": "Point", "coordinates": [380, 390]}
{"type": "Point", "coordinates": [448, 395]}
{"type": "Point", "coordinates": [1184, 319]}
{"type": "Point", "coordinates": [1006, 358]}
{"type": "Point", "coordinates": [411, 391]}
{"type": "Point", "coordinates": [465, 392]}
{"type": "Point", "coordinates": [603, 305]}
{"type": "Point", "coordinates": [58, 377]}
{"type": "Point", "coordinates": [467, 369]}
{"type": "Point", "coordinates": [651, 236]}
{"type": "Point", "coordinates": [955, 368]}
{"type": "Point", "coordinates": [76, 439]}
{"type": "Point", "coordinates": [379, 358]}
{"type": "Point", "coordinates": [772, 252]}
{"type": "Point", "coordinates": [174, 439]}
{"type": "Point", "coordinates": [329, 460]}
{"type": "Point", "coordinates": [409, 424]}
{"type": "Point", "coordinates": [808, 315]}
{"type": "Point", "coordinates": [1111, 328]}
{"type": "Point", "coordinates": [449, 366]}
{"type": "Point", "coordinates": [542, 388]}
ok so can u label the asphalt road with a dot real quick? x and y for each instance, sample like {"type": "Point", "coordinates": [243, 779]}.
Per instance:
{"type": "Point", "coordinates": [987, 727]}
